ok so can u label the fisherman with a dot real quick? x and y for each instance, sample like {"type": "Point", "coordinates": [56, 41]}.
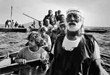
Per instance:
{"type": "Point", "coordinates": [59, 15]}
{"type": "Point", "coordinates": [62, 19]}
{"type": "Point", "coordinates": [48, 46]}
{"type": "Point", "coordinates": [76, 53]}
{"type": "Point", "coordinates": [7, 23]}
{"type": "Point", "coordinates": [46, 37]}
{"type": "Point", "coordinates": [12, 23]}
{"type": "Point", "coordinates": [51, 18]}
{"type": "Point", "coordinates": [62, 29]}
{"type": "Point", "coordinates": [56, 15]}
{"type": "Point", "coordinates": [47, 23]}
{"type": "Point", "coordinates": [40, 24]}
{"type": "Point", "coordinates": [16, 24]}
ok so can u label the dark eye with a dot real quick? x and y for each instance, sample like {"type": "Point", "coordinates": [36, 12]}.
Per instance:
{"type": "Point", "coordinates": [69, 16]}
{"type": "Point", "coordinates": [75, 16]}
{"type": "Point", "coordinates": [31, 40]}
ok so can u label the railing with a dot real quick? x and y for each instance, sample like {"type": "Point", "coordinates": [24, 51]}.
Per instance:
{"type": "Point", "coordinates": [31, 63]}
{"type": "Point", "coordinates": [16, 66]}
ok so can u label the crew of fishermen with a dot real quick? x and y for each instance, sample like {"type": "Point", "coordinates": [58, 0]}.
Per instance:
{"type": "Point", "coordinates": [55, 24]}
{"type": "Point", "coordinates": [52, 27]}
{"type": "Point", "coordinates": [12, 24]}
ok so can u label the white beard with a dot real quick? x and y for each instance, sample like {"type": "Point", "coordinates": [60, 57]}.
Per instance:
{"type": "Point", "coordinates": [74, 27]}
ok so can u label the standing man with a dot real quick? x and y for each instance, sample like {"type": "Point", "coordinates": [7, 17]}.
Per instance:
{"type": "Point", "coordinates": [76, 53]}
{"type": "Point", "coordinates": [12, 23]}
{"type": "Point", "coordinates": [51, 18]}
{"type": "Point", "coordinates": [59, 15]}
{"type": "Point", "coordinates": [7, 23]}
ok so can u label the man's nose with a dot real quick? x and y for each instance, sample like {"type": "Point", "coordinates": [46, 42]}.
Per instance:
{"type": "Point", "coordinates": [72, 18]}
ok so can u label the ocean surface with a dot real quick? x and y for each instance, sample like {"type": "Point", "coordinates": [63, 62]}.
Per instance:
{"type": "Point", "coordinates": [11, 42]}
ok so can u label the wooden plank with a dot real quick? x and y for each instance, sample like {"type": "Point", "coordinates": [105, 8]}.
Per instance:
{"type": "Point", "coordinates": [96, 31]}
{"type": "Point", "coordinates": [106, 56]}
{"type": "Point", "coordinates": [105, 64]}
{"type": "Point", "coordinates": [16, 66]}
{"type": "Point", "coordinates": [34, 29]}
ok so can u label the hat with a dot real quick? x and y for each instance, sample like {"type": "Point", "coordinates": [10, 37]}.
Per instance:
{"type": "Point", "coordinates": [73, 11]}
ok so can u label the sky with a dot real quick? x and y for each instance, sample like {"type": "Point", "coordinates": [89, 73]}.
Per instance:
{"type": "Point", "coordinates": [95, 12]}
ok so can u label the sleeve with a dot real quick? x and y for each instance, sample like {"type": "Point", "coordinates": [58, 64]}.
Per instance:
{"type": "Point", "coordinates": [96, 54]}
{"type": "Point", "coordinates": [53, 62]}
{"type": "Point", "coordinates": [96, 67]}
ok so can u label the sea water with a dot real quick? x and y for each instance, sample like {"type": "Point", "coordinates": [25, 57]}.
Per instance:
{"type": "Point", "coordinates": [12, 41]}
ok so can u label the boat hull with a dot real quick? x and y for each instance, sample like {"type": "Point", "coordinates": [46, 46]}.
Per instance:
{"type": "Point", "coordinates": [13, 30]}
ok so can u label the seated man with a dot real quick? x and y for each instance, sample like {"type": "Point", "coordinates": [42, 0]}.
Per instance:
{"type": "Point", "coordinates": [47, 39]}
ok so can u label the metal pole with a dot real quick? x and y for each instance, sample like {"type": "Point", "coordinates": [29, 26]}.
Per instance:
{"type": "Point", "coordinates": [11, 12]}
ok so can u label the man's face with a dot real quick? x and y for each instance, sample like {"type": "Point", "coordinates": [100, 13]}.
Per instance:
{"type": "Point", "coordinates": [74, 21]}
{"type": "Point", "coordinates": [50, 12]}
{"type": "Point", "coordinates": [62, 17]}
{"type": "Point", "coordinates": [62, 27]}
{"type": "Point", "coordinates": [47, 22]}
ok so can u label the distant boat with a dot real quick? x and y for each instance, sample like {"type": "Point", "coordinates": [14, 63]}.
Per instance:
{"type": "Point", "coordinates": [95, 30]}
{"type": "Point", "coordinates": [15, 66]}
{"type": "Point", "coordinates": [13, 30]}
{"type": "Point", "coordinates": [10, 24]}
{"type": "Point", "coordinates": [33, 29]}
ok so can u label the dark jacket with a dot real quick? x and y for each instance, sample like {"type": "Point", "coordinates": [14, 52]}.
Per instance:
{"type": "Point", "coordinates": [76, 62]}
{"type": "Point", "coordinates": [51, 18]}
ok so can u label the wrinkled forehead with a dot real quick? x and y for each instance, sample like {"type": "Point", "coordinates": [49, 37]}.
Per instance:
{"type": "Point", "coordinates": [75, 15]}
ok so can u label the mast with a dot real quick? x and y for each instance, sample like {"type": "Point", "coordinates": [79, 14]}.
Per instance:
{"type": "Point", "coordinates": [11, 16]}
{"type": "Point", "coordinates": [11, 13]}
{"type": "Point", "coordinates": [30, 17]}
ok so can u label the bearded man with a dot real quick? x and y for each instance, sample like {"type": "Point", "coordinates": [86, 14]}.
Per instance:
{"type": "Point", "coordinates": [76, 53]}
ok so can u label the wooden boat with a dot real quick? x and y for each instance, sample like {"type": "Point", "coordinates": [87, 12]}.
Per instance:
{"type": "Point", "coordinates": [11, 25]}
{"type": "Point", "coordinates": [13, 30]}
{"type": "Point", "coordinates": [15, 66]}
{"type": "Point", "coordinates": [95, 31]}
{"type": "Point", "coordinates": [34, 29]}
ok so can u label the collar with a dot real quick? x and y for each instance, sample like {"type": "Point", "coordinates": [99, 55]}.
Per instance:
{"type": "Point", "coordinates": [69, 45]}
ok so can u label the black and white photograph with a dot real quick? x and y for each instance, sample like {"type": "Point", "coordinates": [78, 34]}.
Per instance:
{"type": "Point", "coordinates": [54, 37]}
